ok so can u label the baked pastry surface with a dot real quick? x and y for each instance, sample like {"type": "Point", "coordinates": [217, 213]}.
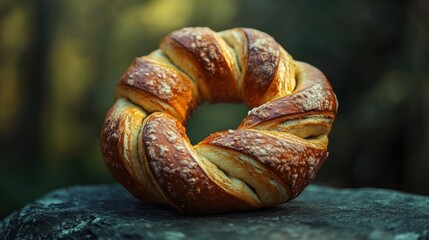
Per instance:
{"type": "Point", "coordinates": [269, 159]}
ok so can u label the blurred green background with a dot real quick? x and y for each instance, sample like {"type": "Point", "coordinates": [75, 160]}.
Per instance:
{"type": "Point", "coordinates": [60, 61]}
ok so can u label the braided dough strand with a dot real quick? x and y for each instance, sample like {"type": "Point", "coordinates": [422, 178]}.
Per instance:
{"type": "Point", "coordinates": [272, 156]}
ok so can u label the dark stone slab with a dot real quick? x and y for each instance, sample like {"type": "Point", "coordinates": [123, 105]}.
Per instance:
{"type": "Point", "coordinates": [110, 212]}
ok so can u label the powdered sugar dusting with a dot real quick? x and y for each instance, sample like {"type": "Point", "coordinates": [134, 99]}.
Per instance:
{"type": "Point", "coordinates": [164, 90]}
{"type": "Point", "coordinates": [111, 130]}
{"type": "Point", "coordinates": [290, 158]}
{"type": "Point", "coordinates": [313, 98]}
{"type": "Point", "coordinates": [267, 149]}
{"type": "Point", "coordinates": [171, 136]}
{"type": "Point", "coordinates": [263, 58]}
{"type": "Point", "coordinates": [262, 112]}
{"type": "Point", "coordinates": [170, 161]}
{"type": "Point", "coordinates": [180, 148]}
{"type": "Point", "coordinates": [202, 44]}
{"type": "Point", "coordinates": [312, 163]}
{"type": "Point", "coordinates": [207, 50]}
{"type": "Point", "coordinates": [157, 79]}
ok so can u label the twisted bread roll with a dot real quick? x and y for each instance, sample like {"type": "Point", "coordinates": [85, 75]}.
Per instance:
{"type": "Point", "coordinates": [269, 159]}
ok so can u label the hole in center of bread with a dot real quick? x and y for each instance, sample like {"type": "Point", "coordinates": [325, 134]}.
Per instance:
{"type": "Point", "coordinates": [211, 118]}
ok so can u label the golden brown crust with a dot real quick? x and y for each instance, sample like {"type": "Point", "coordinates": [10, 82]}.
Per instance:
{"type": "Point", "coordinates": [313, 93]}
{"type": "Point", "coordinates": [262, 64]}
{"type": "Point", "coordinates": [281, 154]}
{"type": "Point", "coordinates": [115, 130]}
{"type": "Point", "coordinates": [205, 56]}
{"type": "Point", "coordinates": [159, 87]}
{"type": "Point", "coordinates": [180, 174]}
{"type": "Point", "coordinates": [269, 159]}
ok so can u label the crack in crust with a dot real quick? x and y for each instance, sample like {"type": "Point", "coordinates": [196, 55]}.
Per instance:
{"type": "Point", "coordinates": [272, 156]}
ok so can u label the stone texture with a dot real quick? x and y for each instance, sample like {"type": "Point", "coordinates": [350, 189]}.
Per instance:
{"type": "Point", "coordinates": [110, 212]}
